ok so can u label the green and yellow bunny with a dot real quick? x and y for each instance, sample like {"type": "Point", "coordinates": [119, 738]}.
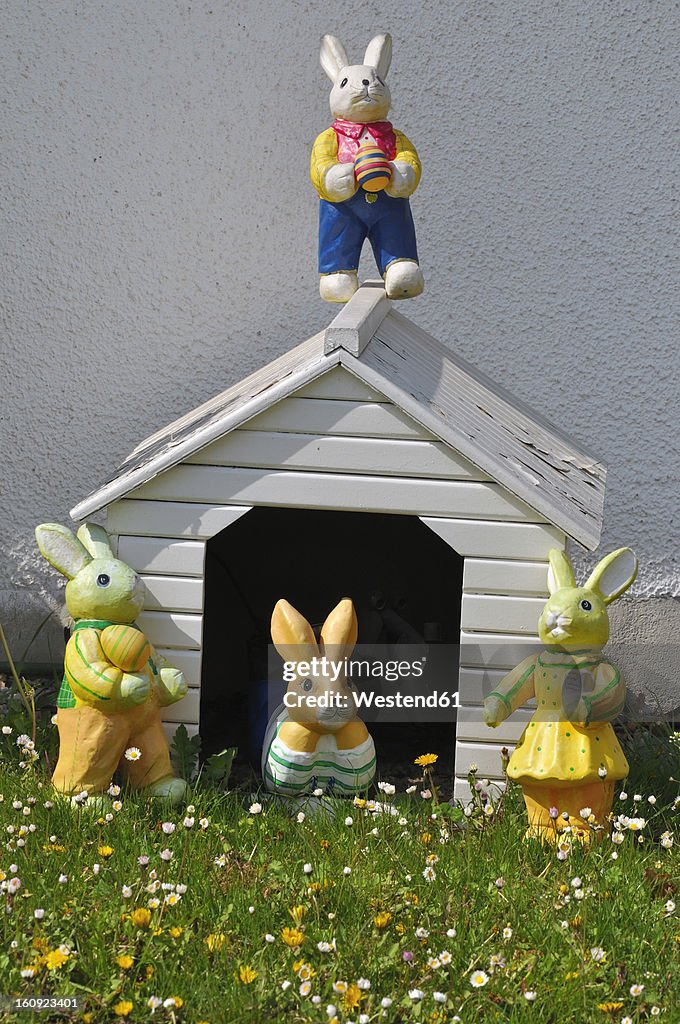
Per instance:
{"type": "Point", "coordinates": [114, 682]}
{"type": "Point", "coordinates": [569, 757]}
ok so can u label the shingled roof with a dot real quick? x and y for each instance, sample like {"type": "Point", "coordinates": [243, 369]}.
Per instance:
{"type": "Point", "coordinates": [457, 403]}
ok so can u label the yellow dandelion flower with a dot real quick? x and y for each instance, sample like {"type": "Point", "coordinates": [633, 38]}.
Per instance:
{"type": "Point", "coordinates": [292, 937]}
{"type": "Point", "coordinates": [141, 917]}
{"type": "Point", "coordinates": [178, 1002]}
{"type": "Point", "coordinates": [40, 944]}
{"type": "Point", "coordinates": [571, 975]}
{"type": "Point", "coordinates": [382, 919]}
{"type": "Point", "coordinates": [359, 801]}
{"type": "Point", "coordinates": [175, 932]}
{"type": "Point", "coordinates": [54, 848]}
{"type": "Point", "coordinates": [575, 921]}
{"type": "Point", "coordinates": [104, 851]}
{"type": "Point", "coordinates": [297, 913]}
{"type": "Point", "coordinates": [324, 844]}
{"type": "Point", "coordinates": [352, 997]}
{"type": "Point", "coordinates": [157, 931]}
{"type": "Point", "coordinates": [125, 961]}
{"type": "Point", "coordinates": [215, 941]}
{"type": "Point", "coordinates": [88, 1018]}
{"type": "Point", "coordinates": [315, 887]}
{"type": "Point", "coordinates": [425, 838]}
{"type": "Point", "coordinates": [609, 1007]}
{"type": "Point", "coordinates": [400, 928]}
{"type": "Point", "coordinates": [56, 959]}
{"type": "Point", "coordinates": [425, 760]}
{"type": "Point", "coordinates": [246, 974]}
{"type": "Point", "coordinates": [123, 1008]}
{"type": "Point", "coordinates": [149, 971]}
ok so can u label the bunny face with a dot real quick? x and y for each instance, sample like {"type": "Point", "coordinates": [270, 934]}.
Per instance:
{"type": "Point", "coordinates": [360, 92]}
{"type": "Point", "coordinates": [319, 696]}
{"type": "Point", "coordinates": [105, 589]}
{"type": "Point", "coordinates": [577, 616]}
{"type": "Point", "coordinates": [100, 586]}
{"type": "Point", "coordinates": [574, 616]}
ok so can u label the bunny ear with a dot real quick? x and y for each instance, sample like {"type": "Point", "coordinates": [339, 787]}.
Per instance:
{"type": "Point", "coordinates": [560, 572]}
{"type": "Point", "coordinates": [333, 57]}
{"type": "Point", "coordinates": [61, 549]}
{"type": "Point", "coordinates": [95, 539]}
{"type": "Point", "coordinates": [341, 627]}
{"type": "Point", "coordinates": [379, 54]}
{"type": "Point", "coordinates": [292, 635]}
{"type": "Point", "coordinates": [614, 574]}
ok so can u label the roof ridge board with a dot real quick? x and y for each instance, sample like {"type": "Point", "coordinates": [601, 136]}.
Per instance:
{"type": "Point", "coordinates": [515, 404]}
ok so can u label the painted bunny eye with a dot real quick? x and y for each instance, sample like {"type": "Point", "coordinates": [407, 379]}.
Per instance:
{"type": "Point", "coordinates": [586, 605]}
{"type": "Point", "coordinates": [343, 83]}
{"type": "Point", "coordinates": [306, 685]}
{"type": "Point", "coordinates": [103, 580]}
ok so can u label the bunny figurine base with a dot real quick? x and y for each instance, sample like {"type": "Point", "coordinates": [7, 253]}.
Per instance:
{"type": "Point", "coordinates": [364, 172]}
{"type": "Point", "coordinates": [114, 682]}
{"type": "Point", "coordinates": [568, 757]}
{"type": "Point", "coordinates": [311, 743]}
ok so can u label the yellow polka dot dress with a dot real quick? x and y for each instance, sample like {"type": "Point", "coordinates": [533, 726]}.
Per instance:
{"type": "Point", "coordinates": [554, 749]}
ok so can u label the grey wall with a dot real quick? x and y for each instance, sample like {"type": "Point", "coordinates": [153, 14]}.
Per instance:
{"type": "Point", "coordinates": [160, 229]}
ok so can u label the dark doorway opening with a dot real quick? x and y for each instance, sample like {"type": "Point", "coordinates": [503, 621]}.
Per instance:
{"type": "Point", "coordinates": [404, 580]}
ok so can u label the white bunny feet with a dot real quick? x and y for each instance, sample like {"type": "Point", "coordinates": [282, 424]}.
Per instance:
{"type": "Point", "coordinates": [339, 287]}
{"type": "Point", "coordinates": [403, 280]}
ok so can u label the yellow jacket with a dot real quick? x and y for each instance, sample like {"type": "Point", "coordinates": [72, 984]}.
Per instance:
{"type": "Point", "coordinates": [325, 154]}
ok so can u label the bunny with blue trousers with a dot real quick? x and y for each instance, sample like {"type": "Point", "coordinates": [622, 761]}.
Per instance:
{"type": "Point", "coordinates": [114, 683]}
{"type": "Point", "coordinates": [360, 101]}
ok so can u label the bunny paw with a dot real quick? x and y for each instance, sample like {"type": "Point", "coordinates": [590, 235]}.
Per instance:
{"type": "Point", "coordinates": [174, 790]}
{"type": "Point", "coordinates": [403, 280]}
{"type": "Point", "coordinates": [173, 685]}
{"type": "Point", "coordinates": [338, 287]}
{"type": "Point", "coordinates": [134, 689]}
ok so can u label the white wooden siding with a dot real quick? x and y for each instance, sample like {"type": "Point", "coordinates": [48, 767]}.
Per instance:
{"type": "Point", "coordinates": [171, 519]}
{"type": "Point", "coordinates": [500, 576]}
{"type": "Point", "coordinates": [341, 384]}
{"type": "Point", "coordinates": [172, 629]}
{"type": "Point", "coordinates": [495, 539]}
{"type": "Point", "coordinates": [162, 555]}
{"type": "Point", "coordinates": [188, 662]}
{"type": "Point", "coordinates": [503, 598]}
{"type": "Point", "coordinates": [376, 456]}
{"type": "Point", "coordinates": [504, 614]}
{"type": "Point", "coordinates": [333, 416]}
{"type": "Point", "coordinates": [180, 593]}
{"type": "Point", "coordinates": [212, 484]}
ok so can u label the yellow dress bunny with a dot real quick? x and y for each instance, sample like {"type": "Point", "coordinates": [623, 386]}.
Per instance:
{"type": "Point", "coordinates": [568, 758]}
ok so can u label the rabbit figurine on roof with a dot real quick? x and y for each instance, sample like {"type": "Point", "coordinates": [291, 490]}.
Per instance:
{"type": "Point", "coordinates": [114, 681]}
{"type": "Point", "coordinates": [364, 172]}
{"type": "Point", "coordinates": [568, 757]}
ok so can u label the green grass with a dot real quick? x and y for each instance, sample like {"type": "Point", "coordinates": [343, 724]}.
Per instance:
{"type": "Point", "coordinates": [244, 874]}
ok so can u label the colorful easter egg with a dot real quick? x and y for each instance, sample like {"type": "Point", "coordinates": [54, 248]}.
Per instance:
{"type": "Point", "coordinates": [126, 647]}
{"type": "Point", "coordinates": [372, 169]}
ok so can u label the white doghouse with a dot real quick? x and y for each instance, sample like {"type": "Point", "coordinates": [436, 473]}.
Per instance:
{"type": "Point", "coordinates": [372, 416]}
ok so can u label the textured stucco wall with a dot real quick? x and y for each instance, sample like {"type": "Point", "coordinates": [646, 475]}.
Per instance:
{"type": "Point", "coordinates": [160, 229]}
